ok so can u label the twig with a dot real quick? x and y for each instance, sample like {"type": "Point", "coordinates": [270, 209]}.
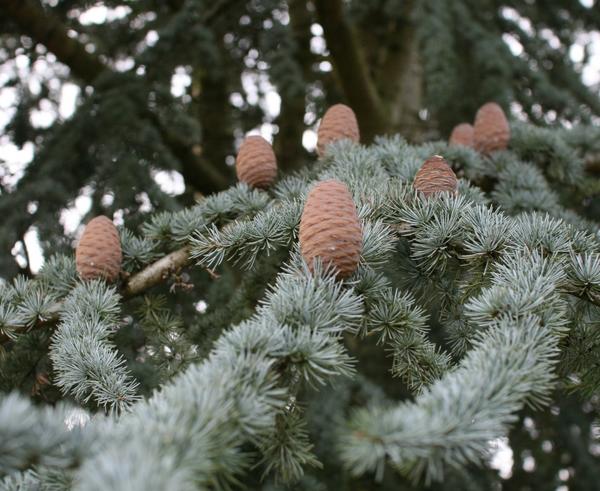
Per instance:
{"type": "Point", "coordinates": [156, 272]}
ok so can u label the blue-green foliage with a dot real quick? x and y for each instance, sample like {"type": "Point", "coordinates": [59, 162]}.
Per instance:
{"type": "Point", "coordinates": [514, 292]}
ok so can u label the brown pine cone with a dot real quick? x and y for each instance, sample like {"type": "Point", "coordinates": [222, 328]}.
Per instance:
{"type": "Point", "coordinates": [98, 254]}
{"type": "Point", "coordinates": [255, 163]}
{"type": "Point", "coordinates": [435, 176]}
{"type": "Point", "coordinates": [329, 228]}
{"type": "Point", "coordinates": [462, 134]}
{"type": "Point", "coordinates": [491, 131]}
{"type": "Point", "coordinates": [339, 122]}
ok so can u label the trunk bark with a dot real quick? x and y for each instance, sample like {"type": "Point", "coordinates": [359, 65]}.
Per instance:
{"type": "Point", "coordinates": [381, 75]}
{"type": "Point", "coordinates": [402, 84]}
{"type": "Point", "coordinates": [351, 69]}
{"type": "Point", "coordinates": [288, 142]}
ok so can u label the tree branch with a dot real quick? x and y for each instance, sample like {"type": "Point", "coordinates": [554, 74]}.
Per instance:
{"type": "Point", "coordinates": [137, 284]}
{"type": "Point", "coordinates": [218, 8]}
{"type": "Point", "coordinates": [198, 172]}
{"type": "Point", "coordinates": [352, 69]}
{"type": "Point", "coordinates": [46, 28]}
{"type": "Point", "coordinates": [156, 272]}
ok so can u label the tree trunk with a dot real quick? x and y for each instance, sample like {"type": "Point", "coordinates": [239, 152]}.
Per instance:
{"type": "Point", "coordinates": [288, 143]}
{"type": "Point", "coordinates": [351, 69]}
{"type": "Point", "coordinates": [381, 77]}
{"type": "Point", "coordinates": [401, 80]}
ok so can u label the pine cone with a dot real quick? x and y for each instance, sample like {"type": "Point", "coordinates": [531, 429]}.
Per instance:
{"type": "Point", "coordinates": [256, 164]}
{"type": "Point", "coordinates": [491, 131]}
{"type": "Point", "coordinates": [98, 254]}
{"type": "Point", "coordinates": [435, 176]}
{"type": "Point", "coordinates": [462, 134]}
{"type": "Point", "coordinates": [329, 228]}
{"type": "Point", "coordinates": [339, 122]}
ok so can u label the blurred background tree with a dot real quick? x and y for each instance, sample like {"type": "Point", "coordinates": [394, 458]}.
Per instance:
{"type": "Point", "coordinates": [129, 108]}
{"type": "Point", "coordinates": [174, 85]}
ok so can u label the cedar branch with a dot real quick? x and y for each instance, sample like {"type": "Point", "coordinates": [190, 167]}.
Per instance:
{"type": "Point", "coordinates": [137, 284]}
{"type": "Point", "coordinates": [46, 28]}
{"type": "Point", "coordinates": [156, 272]}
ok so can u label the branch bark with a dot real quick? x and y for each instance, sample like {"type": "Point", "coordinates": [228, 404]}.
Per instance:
{"type": "Point", "coordinates": [351, 68]}
{"type": "Point", "coordinates": [156, 272]}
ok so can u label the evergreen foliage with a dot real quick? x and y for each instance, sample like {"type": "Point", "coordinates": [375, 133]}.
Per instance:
{"type": "Point", "coordinates": [219, 359]}
{"type": "Point", "coordinates": [520, 287]}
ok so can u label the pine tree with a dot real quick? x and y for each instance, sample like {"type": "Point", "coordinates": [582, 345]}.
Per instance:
{"type": "Point", "coordinates": [375, 315]}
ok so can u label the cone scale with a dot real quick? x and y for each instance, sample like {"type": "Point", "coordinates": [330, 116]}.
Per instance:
{"type": "Point", "coordinates": [255, 163]}
{"type": "Point", "coordinates": [338, 123]}
{"type": "Point", "coordinates": [98, 253]}
{"type": "Point", "coordinates": [330, 229]}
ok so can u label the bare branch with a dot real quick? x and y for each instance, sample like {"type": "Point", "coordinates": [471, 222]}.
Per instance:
{"type": "Point", "coordinates": [156, 272]}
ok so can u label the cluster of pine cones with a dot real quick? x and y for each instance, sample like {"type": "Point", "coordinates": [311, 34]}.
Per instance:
{"type": "Point", "coordinates": [330, 230]}
{"type": "Point", "coordinates": [489, 133]}
{"type": "Point", "coordinates": [329, 227]}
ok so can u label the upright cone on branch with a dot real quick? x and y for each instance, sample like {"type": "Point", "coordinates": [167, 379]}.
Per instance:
{"type": "Point", "coordinates": [435, 176]}
{"type": "Point", "coordinates": [491, 131]}
{"type": "Point", "coordinates": [98, 253]}
{"type": "Point", "coordinates": [330, 229]}
{"type": "Point", "coordinates": [256, 163]}
{"type": "Point", "coordinates": [462, 134]}
{"type": "Point", "coordinates": [339, 122]}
